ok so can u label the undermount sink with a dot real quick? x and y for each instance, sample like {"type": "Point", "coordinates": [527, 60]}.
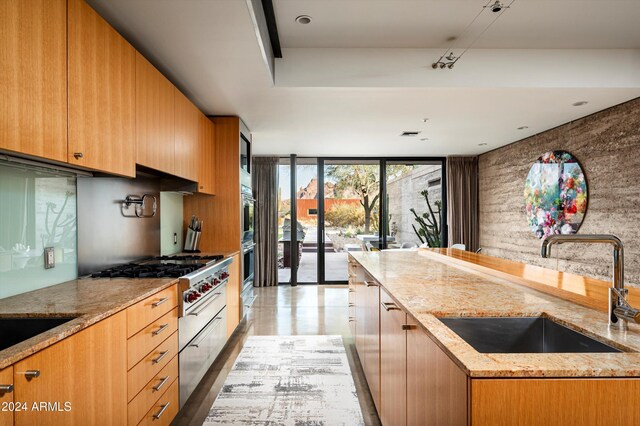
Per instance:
{"type": "Point", "coordinates": [16, 330]}
{"type": "Point", "coordinates": [522, 335]}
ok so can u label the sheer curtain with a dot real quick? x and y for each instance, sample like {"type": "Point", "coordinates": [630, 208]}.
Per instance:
{"type": "Point", "coordinates": [462, 202]}
{"type": "Point", "coordinates": [265, 189]}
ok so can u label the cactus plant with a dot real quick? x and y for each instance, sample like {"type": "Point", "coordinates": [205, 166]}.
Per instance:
{"type": "Point", "coordinates": [428, 230]}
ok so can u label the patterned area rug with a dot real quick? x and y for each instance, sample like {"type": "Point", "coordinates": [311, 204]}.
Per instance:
{"type": "Point", "coordinates": [289, 380]}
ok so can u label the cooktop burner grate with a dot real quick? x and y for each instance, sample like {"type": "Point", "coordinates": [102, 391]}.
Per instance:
{"type": "Point", "coordinates": [148, 270]}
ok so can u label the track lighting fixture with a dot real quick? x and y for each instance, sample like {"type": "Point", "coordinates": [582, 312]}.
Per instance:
{"type": "Point", "coordinates": [448, 59]}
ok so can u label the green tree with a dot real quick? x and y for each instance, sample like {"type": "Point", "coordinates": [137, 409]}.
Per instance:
{"type": "Point", "coordinates": [362, 180]}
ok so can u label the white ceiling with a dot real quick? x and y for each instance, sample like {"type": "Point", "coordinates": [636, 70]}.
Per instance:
{"type": "Point", "coordinates": [528, 24]}
{"type": "Point", "coordinates": [210, 51]}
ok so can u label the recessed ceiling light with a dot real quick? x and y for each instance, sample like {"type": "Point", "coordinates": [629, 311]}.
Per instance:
{"type": "Point", "coordinates": [523, 127]}
{"type": "Point", "coordinates": [580, 103]}
{"type": "Point", "coordinates": [410, 133]}
{"type": "Point", "coordinates": [482, 144]}
{"type": "Point", "coordinates": [424, 120]}
{"type": "Point", "coordinates": [424, 139]}
{"type": "Point", "coordinates": [303, 19]}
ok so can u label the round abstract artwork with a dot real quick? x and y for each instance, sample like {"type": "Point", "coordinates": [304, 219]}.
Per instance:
{"type": "Point", "coordinates": [555, 194]}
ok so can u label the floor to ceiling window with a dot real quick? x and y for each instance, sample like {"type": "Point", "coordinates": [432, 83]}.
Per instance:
{"type": "Point", "coordinates": [343, 204]}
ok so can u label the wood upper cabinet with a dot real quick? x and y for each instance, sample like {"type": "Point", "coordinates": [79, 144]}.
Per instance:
{"type": "Point", "coordinates": [155, 118]}
{"type": "Point", "coordinates": [206, 160]}
{"type": "Point", "coordinates": [393, 363]}
{"type": "Point", "coordinates": [33, 74]}
{"type": "Point", "coordinates": [102, 97]}
{"type": "Point", "coordinates": [187, 137]}
{"type": "Point", "coordinates": [436, 387]}
{"type": "Point", "coordinates": [88, 370]}
{"type": "Point", "coordinates": [6, 395]}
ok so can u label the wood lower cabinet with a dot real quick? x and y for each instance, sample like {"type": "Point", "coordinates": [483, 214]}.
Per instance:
{"type": "Point", "coordinates": [187, 137]}
{"type": "Point", "coordinates": [155, 118]}
{"type": "Point", "coordinates": [102, 97]}
{"type": "Point", "coordinates": [545, 402]}
{"type": "Point", "coordinates": [6, 396]}
{"type": "Point", "coordinates": [393, 362]}
{"type": "Point", "coordinates": [233, 290]}
{"type": "Point", "coordinates": [372, 338]}
{"type": "Point", "coordinates": [33, 70]}
{"type": "Point", "coordinates": [436, 387]}
{"type": "Point", "coordinates": [81, 380]}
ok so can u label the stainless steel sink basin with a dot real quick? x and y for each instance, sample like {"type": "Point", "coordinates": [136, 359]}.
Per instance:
{"type": "Point", "coordinates": [16, 330]}
{"type": "Point", "coordinates": [522, 335]}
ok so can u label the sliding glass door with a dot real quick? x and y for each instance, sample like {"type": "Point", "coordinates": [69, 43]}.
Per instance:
{"type": "Point", "coordinates": [343, 204]}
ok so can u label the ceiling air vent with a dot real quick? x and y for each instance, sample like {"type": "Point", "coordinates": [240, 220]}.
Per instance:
{"type": "Point", "coordinates": [409, 133]}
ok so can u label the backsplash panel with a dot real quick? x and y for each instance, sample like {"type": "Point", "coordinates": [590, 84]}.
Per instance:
{"type": "Point", "coordinates": [37, 210]}
{"type": "Point", "coordinates": [109, 235]}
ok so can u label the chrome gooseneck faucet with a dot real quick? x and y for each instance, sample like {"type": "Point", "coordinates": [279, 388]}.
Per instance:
{"type": "Point", "coordinates": [619, 309]}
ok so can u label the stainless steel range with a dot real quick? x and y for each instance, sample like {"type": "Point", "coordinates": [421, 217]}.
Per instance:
{"type": "Point", "coordinates": [202, 322]}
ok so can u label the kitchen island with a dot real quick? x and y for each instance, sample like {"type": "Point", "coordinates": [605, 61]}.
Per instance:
{"type": "Point", "coordinates": [398, 298]}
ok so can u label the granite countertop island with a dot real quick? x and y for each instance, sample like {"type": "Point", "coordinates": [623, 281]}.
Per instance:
{"type": "Point", "coordinates": [87, 300]}
{"type": "Point", "coordinates": [427, 287]}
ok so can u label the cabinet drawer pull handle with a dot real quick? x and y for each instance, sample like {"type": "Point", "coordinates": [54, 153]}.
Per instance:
{"type": "Point", "coordinates": [32, 374]}
{"type": "Point", "coordinates": [162, 410]}
{"type": "Point", "coordinates": [368, 284]}
{"type": "Point", "coordinates": [352, 305]}
{"type": "Point", "coordinates": [6, 389]}
{"type": "Point", "coordinates": [162, 328]}
{"type": "Point", "coordinates": [390, 306]}
{"type": "Point", "coordinates": [409, 326]}
{"type": "Point", "coordinates": [159, 302]}
{"type": "Point", "coordinates": [162, 355]}
{"type": "Point", "coordinates": [159, 386]}
{"type": "Point", "coordinates": [78, 155]}
{"type": "Point", "coordinates": [351, 290]}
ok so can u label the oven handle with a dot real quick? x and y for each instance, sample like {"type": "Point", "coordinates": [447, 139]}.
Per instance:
{"type": "Point", "coordinates": [203, 307]}
{"type": "Point", "coordinates": [204, 333]}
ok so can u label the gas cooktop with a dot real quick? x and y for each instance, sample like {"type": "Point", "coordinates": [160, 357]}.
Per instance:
{"type": "Point", "coordinates": [159, 267]}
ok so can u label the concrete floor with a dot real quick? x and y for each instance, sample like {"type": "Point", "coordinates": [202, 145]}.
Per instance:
{"type": "Point", "coordinates": [283, 310]}
{"type": "Point", "coordinates": [335, 266]}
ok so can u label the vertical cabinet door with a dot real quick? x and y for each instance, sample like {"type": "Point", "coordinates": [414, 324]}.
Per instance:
{"type": "Point", "coordinates": [6, 396]}
{"type": "Point", "coordinates": [361, 305]}
{"type": "Point", "coordinates": [82, 379]}
{"type": "Point", "coordinates": [207, 156]}
{"type": "Point", "coordinates": [436, 387]}
{"type": "Point", "coordinates": [101, 94]}
{"type": "Point", "coordinates": [372, 339]}
{"type": "Point", "coordinates": [393, 363]}
{"type": "Point", "coordinates": [155, 120]}
{"type": "Point", "coordinates": [33, 75]}
{"type": "Point", "coordinates": [234, 288]}
{"type": "Point", "coordinates": [187, 140]}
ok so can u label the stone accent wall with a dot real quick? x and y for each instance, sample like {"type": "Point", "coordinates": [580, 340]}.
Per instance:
{"type": "Point", "coordinates": [607, 144]}
{"type": "Point", "coordinates": [404, 193]}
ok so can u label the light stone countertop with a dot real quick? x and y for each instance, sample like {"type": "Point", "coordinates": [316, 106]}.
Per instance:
{"type": "Point", "coordinates": [428, 288]}
{"type": "Point", "coordinates": [89, 300]}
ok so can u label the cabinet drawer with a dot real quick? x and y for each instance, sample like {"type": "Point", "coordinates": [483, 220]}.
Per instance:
{"type": "Point", "coordinates": [6, 379]}
{"type": "Point", "coordinates": [165, 409]}
{"type": "Point", "coordinates": [153, 307]}
{"type": "Point", "coordinates": [151, 336]}
{"type": "Point", "coordinates": [152, 392]}
{"type": "Point", "coordinates": [151, 365]}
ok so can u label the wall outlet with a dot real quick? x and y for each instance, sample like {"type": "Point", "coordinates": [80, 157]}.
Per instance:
{"type": "Point", "coordinates": [49, 258]}
{"type": "Point", "coordinates": [175, 238]}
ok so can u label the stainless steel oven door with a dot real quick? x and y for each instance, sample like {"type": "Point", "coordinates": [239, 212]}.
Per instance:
{"type": "Point", "coordinates": [248, 263]}
{"type": "Point", "coordinates": [195, 319]}
{"type": "Point", "coordinates": [248, 208]}
{"type": "Point", "coordinates": [196, 358]}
